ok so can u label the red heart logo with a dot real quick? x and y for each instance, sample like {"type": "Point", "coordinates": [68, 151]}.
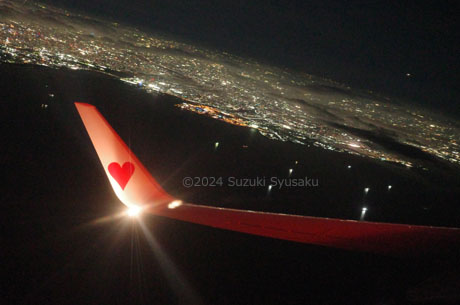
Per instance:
{"type": "Point", "coordinates": [121, 174]}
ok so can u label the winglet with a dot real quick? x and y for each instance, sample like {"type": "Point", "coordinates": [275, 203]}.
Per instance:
{"type": "Point", "coordinates": [130, 180]}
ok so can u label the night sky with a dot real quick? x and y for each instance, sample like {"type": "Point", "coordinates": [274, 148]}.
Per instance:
{"type": "Point", "coordinates": [366, 45]}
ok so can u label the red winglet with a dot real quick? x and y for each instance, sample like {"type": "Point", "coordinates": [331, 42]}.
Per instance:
{"type": "Point", "coordinates": [130, 180]}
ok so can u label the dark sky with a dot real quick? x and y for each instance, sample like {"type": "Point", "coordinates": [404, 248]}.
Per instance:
{"type": "Point", "coordinates": [367, 44]}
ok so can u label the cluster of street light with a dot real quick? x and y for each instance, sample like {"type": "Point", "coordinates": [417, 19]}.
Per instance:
{"type": "Point", "coordinates": [281, 104]}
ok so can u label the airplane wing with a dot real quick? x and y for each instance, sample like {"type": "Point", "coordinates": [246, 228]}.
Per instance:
{"type": "Point", "coordinates": [134, 186]}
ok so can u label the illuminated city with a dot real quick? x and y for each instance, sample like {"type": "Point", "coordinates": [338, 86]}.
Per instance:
{"type": "Point", "coordinates": [281, 104]}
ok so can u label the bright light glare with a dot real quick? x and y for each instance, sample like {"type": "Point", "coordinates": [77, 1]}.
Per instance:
{"type": "Point", "coordinates": [174, 204]}
{"type": "Point", "coordinates": [133, 211]}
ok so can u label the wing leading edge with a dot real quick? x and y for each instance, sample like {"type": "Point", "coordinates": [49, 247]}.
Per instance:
{"type": "Point", "coordinates": [134, 185]}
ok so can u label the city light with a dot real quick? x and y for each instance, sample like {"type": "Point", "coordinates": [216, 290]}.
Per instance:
{"type": "Point", "coordinates": [363, 213]}
{"type": "Point", "coordinates": [255, 96]}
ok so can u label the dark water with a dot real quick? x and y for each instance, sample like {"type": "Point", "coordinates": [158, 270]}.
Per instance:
{"type": "Point", "coordinates": [54, 252]}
